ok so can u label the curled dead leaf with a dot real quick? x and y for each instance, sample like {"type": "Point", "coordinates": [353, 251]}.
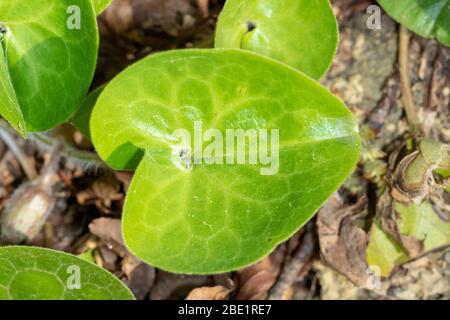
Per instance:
{"type": "Point", "coordinates": [103, 192]}
{"type": "Point", "coordinates": [256, 281]}
{"type": "Point", "coordinates": [108, 230]}
{"type": "Point", "coordinates": [342, 243]}
{"type": "Point", "coordinates": [140, 276]}
{"type": "Point", "coordinates": [412, 179]}
{"type": "Point", "coordinates": [413, 183]}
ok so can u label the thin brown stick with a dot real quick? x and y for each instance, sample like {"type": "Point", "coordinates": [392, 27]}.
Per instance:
{"type": "Point", "coordinates": [27, 166]}
{"type": "Point", "coordinates": [203, 6]}
{"type": "Point", "coordinates": [407, 97]}
{"type": "Point", "coordinates": [52, 163]}
{"type": "Point", "coordinates": [291, 270]}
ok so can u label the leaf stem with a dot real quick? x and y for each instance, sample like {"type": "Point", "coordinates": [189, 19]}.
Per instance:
{"type": "Point", "coordinates": [407, 97]}
{"type": "Point", "coordinates": [86, 159]}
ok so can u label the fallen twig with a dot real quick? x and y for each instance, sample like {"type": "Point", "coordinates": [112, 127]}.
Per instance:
{"type": "Point", "coordinates": [203, 6]}
{"type": "Point", "coordinates": [291, 270]}
{"type": "Point", "coordinates": [10, 141]}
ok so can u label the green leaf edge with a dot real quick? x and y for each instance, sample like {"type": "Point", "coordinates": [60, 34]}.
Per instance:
{"type": "Point", "coordinates": [82, 117]}
{"type": "Point", "coordinates": [20, 127]}
{"type": "Point", "coordinates": [100, 5]}
{"type": "Point", "coordinates": [100, 269]}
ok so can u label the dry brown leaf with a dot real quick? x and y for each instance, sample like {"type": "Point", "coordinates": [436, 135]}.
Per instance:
{"type": "Point", "coordinates": [296, 265]}
{"type": "Point", "coordinates": [209, 293]}
{"type": "Point", "coordinates": [141, 276]}
{"type": "Point", "coordinates": [107, 187]}
{"type": "Point", "coordinates": [129, 264]}
{"type": "Point", "coordinates": [343, 244]}
{"type": "Point", "coordinates": [256, 280]}
{"type": "Point", "coordinates": [109, 258]}
{"type": "Point", "coordinates": [109, 231]}
{"type": "Point", "coordinates": [224, 280]}
{"type": "Point", "coordinates": [125, 178]}
{"type": "Point", "coordinates": [102, 192]}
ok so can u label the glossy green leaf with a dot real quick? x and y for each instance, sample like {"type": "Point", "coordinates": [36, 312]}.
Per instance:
{"type": "Point", "coordinates": [30, 273]}
{"type": "Point", "coordinates": [418, 221]}
{"type": "Point", "coordinates": [207, 218]}
{"type": "Point", "coordinates": [9, 107]}
{"type": "Point", "coordinates": [81, 119]}
{"type": "Point", "coordinates": [428, 18]}
{"type": "Point", "coordinates": [47, 62]}
{"type": "Point", "coordinates": [300, 33]}
{"type": "Point", "coordinates": [100, 5]}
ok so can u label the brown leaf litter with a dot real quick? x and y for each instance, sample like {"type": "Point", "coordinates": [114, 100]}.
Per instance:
{"type": "Point", "coordinates": [342, 243]}
{"type": "Point", "coordinates": [209, 293]}
{"type": "Point", "coordinates": [139, 276]}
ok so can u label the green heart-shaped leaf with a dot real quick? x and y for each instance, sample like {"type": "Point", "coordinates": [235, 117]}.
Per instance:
{"type": "Point", "coordinates": [300, 33]}
{"type": "Point", "coordinates": [100, 5]}
{"type": "Point", "coordinates": [47, 60]}
{"type": "Point", "coordinates": [193, 217]}
{"type": "Point", "coordinates": [29, 273]}
{"type": "Point", "coordinates": [428, 18]}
